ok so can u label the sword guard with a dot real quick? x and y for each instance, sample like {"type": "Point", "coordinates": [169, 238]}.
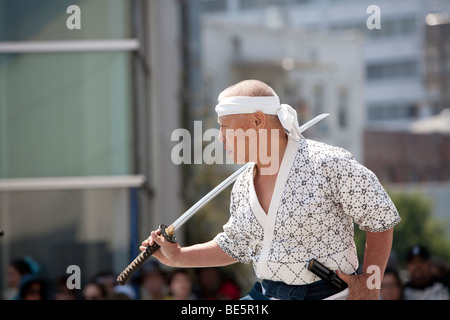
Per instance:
{"type": "Point", "coordinates": [168, 233]}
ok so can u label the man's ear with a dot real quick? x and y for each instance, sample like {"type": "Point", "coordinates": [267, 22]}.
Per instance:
{"type": "Point", "coordinates": [259, 120]}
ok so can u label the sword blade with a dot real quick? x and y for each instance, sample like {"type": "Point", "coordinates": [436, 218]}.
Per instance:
{"type": "Point", "coordinates": [208, 197]}
{"type": "Point", "coordinates": [313, 121]}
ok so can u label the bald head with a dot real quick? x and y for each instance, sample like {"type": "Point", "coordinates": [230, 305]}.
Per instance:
{"type": "Point", "coordinates": [248, 88]}
{"type": "Point", "coordinates": [252, 88]}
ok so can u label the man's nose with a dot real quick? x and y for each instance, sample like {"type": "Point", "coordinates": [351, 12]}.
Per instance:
{"type": "Point", "coordinates": [221, 137]}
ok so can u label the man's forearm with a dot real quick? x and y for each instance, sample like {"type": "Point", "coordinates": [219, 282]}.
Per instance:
{"type": "Point", "coordinates": [207, 254]}
{"type": "Point", "coordinates": [376, 255]}
{"type": "Point", "coordinates": [378, 248]}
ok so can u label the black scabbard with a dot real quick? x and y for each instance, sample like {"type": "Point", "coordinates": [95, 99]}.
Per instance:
{"type": "Point", "coordinates": [326, 274]}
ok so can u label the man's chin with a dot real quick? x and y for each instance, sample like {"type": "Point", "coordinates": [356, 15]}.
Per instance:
{"type": "Point", "coordinates": [236, 159]}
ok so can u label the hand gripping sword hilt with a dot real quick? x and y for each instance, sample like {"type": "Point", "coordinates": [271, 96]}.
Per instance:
{"type": "Point", "coordinates": [168, 233]}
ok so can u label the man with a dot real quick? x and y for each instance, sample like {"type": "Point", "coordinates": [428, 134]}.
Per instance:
{"type": "Point", "coordinates": [391, 286]}
{"type": "Point", "coordinates": [280, 219]}
{"type": "Point", "coordinates": [422, 284]}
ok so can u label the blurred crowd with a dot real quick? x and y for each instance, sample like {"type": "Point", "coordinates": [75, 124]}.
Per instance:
{"type": "Point", "coordinates": [151, 282]}
{"type": "Point", "coordinates": [424, 278]}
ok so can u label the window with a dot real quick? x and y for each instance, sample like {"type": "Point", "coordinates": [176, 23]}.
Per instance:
{"type": "Point", "coordinates": [391, 111]}
{"type": "Point", "coordinates": [250, 4]}
{"type": "Point", "coordinates": [59, 228]}
{"type": "Point", "coordinates": [65, 113]}
{"type": "Point", "coordinates": [260, 4]}
{"type": "Point", "coordinates": [38, 20]}
{"type": "Point", "coordinates": [343, 108]}
{"type": "Point", "coordinates": [318, 99]}
{"type": "Point", "coordinates": [319, 107]}
{"type": "Point", "coordinates": [390, 70]}
{"type": "Point", "coordinates": [213, 5]}
{"type": "Point", "coordinates": [399, 27]}
{"type": "Point", "coordinates": [66, 109]}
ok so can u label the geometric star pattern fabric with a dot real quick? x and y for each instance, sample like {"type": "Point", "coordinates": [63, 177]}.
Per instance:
{"type": "Point", "coordinates": [320, 192]}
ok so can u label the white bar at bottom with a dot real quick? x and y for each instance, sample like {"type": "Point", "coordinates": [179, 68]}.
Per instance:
{"type": "Point", "coordinates": [69, 46]}
{"type": "Point", "coordinates": [67, 183]}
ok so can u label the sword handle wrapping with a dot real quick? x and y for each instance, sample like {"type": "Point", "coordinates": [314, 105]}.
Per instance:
{"type": "Point", "coordinates": [136, 264]}
{"type": "Point", "coordinates": [167, 232]}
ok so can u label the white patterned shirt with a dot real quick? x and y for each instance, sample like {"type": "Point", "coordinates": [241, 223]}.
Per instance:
{"type": "Point", "coordinates": [319, 192]}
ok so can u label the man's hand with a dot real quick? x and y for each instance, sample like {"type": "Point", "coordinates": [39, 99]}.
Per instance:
{"type": "Point", "coordinates": [168, 252]}
{"type": "Point", "coordinates": [207, 254]}
{"type": "Point", "coordinates": [358, 288]}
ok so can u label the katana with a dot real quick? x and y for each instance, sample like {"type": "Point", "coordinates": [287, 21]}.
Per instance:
{"type": "Point", "coordinates": [169, 231]}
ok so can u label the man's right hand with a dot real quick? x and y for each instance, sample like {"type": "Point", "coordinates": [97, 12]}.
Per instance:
{"type": "Point", "coordinates": [168, 252]}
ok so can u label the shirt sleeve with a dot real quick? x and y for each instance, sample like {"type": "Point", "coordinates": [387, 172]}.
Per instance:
{"type": "Point", "coordinates": [362, 196]}
{"type": "Point", "coordinates": [233, 240]}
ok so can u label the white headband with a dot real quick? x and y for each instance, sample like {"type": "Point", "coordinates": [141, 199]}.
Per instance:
{"type": "Point", "coordinates": [267, 105]}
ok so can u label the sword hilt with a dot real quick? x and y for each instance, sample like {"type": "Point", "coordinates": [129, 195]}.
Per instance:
{"type": "Point", "coordinates": [168, 233]}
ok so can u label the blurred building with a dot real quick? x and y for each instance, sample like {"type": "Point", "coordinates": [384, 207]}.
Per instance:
{"type": "Point", "coordinates": [405, 85]}
{"type": "Point", "coordinates": [437, 61]}
{"type": "Point", "coordinates": [411, 158]}
{"type": "Point", "coordinates": [313, 72]}
{"type": "Point", "coordinates": [86, 117]}
{"type": "Point", "coordinates": [416, 161]}
{"type": "Point", "coordinates": [419, 155]}
{"type": "Point", "coordinates": [395, 91]}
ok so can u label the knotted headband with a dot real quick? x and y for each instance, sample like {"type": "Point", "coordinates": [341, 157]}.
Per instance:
{"type": "Point", "coordinates": [268, 105]}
